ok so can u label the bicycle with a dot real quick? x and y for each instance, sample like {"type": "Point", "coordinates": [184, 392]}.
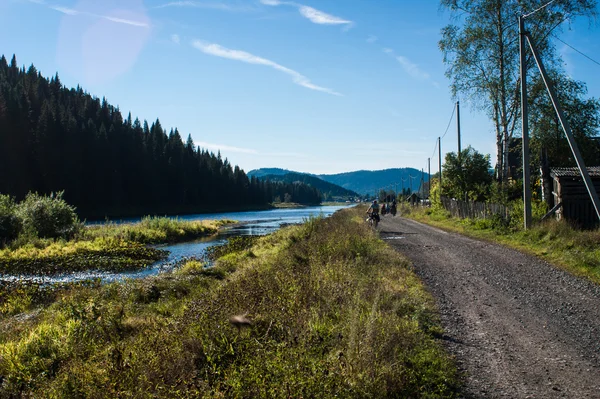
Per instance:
{"type": "Point", "coordinates": [373, 220]}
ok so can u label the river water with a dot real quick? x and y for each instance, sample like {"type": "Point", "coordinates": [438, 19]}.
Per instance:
{"type": "Point", "coordinates": [251, 223]}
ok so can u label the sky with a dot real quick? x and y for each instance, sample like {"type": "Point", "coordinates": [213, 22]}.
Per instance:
{"type": "Point", "coordinates": [316, 86]}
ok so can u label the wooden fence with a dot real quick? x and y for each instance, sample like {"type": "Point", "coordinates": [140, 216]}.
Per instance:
{"type": "Point", "coordinates": [472, 210]}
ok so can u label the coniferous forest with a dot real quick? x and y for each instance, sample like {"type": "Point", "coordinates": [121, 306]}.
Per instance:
{"type": "Point", "coordinates": [53, 138]}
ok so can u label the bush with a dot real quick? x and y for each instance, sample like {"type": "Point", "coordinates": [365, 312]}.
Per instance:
{"type": "Point", "coordinates": [47, 216]}
{"type": "Point", "coordinates": [10, 225]}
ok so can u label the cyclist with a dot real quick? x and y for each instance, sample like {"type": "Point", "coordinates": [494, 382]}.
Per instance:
{"type": "Point", "coordinates": [373, 211]}
{"type": "Point", "coordinates": [393, 207]}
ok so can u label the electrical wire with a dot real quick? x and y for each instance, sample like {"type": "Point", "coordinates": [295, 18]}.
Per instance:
{"type": "Point", "coordinates": [541, 8]}
{"type": "Point", "coordinates": [573, 48]}
{"type": "Point", "coordinates": [450, 121]}
{"type": "Point", "coordinates": [434, 148]}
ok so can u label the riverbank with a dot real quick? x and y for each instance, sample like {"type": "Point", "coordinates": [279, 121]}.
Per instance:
{"type": "Point", "coordinates": [107, 247]}
{"type": "Point", "coordinates": [324, 309]}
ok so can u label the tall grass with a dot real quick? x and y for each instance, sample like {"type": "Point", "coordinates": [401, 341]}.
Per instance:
{"type": "Point", "coordinates": [334, 312]}
{"type": "Point", "coordinates": [154, 230]}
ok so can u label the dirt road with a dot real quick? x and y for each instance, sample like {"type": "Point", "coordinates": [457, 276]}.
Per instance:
{"type": "Point", "coordinates": [518, 327]}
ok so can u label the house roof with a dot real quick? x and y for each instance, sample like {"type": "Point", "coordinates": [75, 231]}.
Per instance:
{"type": "Point", "coordinates": [594, 172]}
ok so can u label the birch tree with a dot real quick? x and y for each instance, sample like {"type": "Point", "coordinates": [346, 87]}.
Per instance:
{"type": "Point", "coordinates": [481, 52]}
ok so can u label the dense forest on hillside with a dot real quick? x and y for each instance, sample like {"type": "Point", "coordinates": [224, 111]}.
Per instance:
{"type": "Point", "coordinates": [53, 138]}
{"type": "Point", "coordinates": [328, 190]}
{"type": "Point", "coordinates": [364, 182]}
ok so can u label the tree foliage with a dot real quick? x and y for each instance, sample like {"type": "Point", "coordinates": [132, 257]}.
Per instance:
{"type": "Point", "coordinates": [481, 51]}
{"type": "Point", "coordinates": [467, 175]}
{"type": "Point", "coordinates": [546, 131]}
{"type": "Point", "coordinates": [53, 139]}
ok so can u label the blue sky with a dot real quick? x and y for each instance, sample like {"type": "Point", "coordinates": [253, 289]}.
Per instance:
{"type": "Point", "coordinates": [322, 86]}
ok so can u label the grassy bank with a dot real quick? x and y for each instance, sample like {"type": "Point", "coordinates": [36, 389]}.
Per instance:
{"type": "Point", "coordinates": [331, 312]}
{"type": "Point", "coordinates": [576, 251]}
{"type": "Point", "coordinates": [111, 247]}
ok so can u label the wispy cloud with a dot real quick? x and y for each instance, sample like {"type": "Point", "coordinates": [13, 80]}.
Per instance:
{"type": "Point", "coordinates": [64, 10]}
{"type": "Point", "coordinates": [74, 12]}
{"type": "Point", "coordinates": [319, 17]}
{"type": "Point", "coordinates": [123, 21]}
{"type": "Point", "coordinates": [221, 147]}
{"type": "Point", "coordinates": [371, 39]}
{"type": "Point", "coordinates": [208, 5]}
{"type": "Point", "coordinates": [312, 14]}
{"type": "Point", "coordinates": [238, 55]}
{"type": "Point", "coordinates": [175, 38]}
{"type": "Point", "coordinates": [410, 67]}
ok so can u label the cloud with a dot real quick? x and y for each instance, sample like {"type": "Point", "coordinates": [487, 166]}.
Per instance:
{"type": "Point", "coordinates": [319, 17]}
{"type": "Point", "coordinates": [411, 68]}
{"type": "Point", "coordinates": [74, 12]}
{"type": "Point", "coordinates": [221, 147]}
{"type": "Point", "coordinates": [64, 10]}
{"type": "Point", "coordinates": [200, 4]}
{"type": "Point", "coordinates": [175, 39]}
{"type": "Point", "coordinates": [123, 21]}
{"type": "Point", "coordinates": [312, 14]}
{"type": "Point", "coordinates": [371, 39]}
{"type": "Point", "coordinates": [238, 55]}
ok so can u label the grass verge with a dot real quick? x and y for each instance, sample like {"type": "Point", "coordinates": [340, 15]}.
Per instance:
{"type": "Point", "coordinates": [576, 251]}
{"type": "Point", "coordinates": [329, 311]}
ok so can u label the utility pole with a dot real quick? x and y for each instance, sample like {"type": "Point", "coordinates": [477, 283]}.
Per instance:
{"type": "Point", "coordinates": [525, 129]}
{"type": "Point", "coordinates": [429, 177]}
{"type": "Point", "coordinates": [458, 126]}
{"type": "Point", "coordinates": [440, 164]}
{"type": "Point", "coordinates": [422, 182]}
{"type": "Point", "coordinates": [567, 129]}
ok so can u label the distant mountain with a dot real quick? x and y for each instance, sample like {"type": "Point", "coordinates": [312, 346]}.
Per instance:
{"type": "Point", "coordinates": [328, 190]}
{"type": "Point", "coordinates": [260, 173]}
{"type": "Point", "coordinates": [371, 181]}
{"type": "Point", "coordinates": [364, 182]}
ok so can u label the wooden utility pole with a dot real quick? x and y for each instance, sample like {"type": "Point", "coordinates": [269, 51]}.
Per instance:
{"type": "Point", "coordinates": [566, 128]}
{"type": "Point", "coordinates": [525, 129]}
{"type": "Point", "coordinates": [440, 164]}
{"type": "Point", "coordinates": [429, 177]}
{"type": "Point", "coordinates": [458, 127]}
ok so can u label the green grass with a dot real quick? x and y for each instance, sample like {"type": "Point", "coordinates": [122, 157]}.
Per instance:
{"type": "Point", "coordinates": [155, 230]}
{"type": "Point", "coordinates": [335, 313]}
{"type": "Point", "coordinates": [576, 251]}
{"type": "Point", "coordinates": [109, 247]}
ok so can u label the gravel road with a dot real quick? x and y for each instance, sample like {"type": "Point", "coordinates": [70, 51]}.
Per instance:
{"type": "Point", "coordinates": [518, 327]}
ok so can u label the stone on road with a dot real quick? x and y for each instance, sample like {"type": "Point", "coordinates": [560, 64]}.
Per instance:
{"type": "Point", "coordinates": [517, 326]}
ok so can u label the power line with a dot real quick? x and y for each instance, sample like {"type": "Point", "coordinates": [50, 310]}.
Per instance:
{"type": "Point", "coordinates": [450, 121]}
{"type": "Point", "coordinates": [541, 8]}
{"type": "Point", "coordinates": [434, 148]}
{"type": "Point", "coordinates": [573, 48]}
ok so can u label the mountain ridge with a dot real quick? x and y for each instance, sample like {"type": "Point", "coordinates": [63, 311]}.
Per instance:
{"type": "Point", "coordinates": [364, 182]}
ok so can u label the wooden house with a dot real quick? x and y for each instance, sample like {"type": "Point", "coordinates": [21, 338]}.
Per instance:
{"type": "Point", "coordinates": [568, 189]}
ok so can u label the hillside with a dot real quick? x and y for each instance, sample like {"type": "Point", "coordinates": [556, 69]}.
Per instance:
{"type": "Point", "coordinates": [329, 190]}
{"type": "Point", "coordinates": [364, 182]}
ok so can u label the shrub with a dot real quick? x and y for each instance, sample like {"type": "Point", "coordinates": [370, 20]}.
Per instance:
{"type": "Point", "coordinates": [48, 216]}
{"type": "Point", "coordinates": [10, 225]}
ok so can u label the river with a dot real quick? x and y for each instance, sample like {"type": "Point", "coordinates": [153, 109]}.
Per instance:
{"type": "Point", "coordinates": [251, 223]}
